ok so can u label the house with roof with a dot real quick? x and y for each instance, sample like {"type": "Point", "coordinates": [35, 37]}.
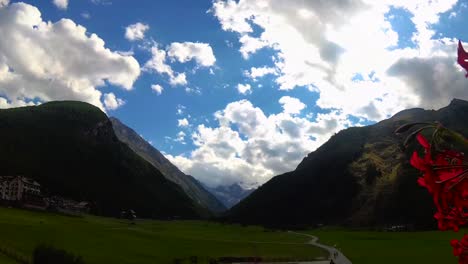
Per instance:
{"type": "Point", "coordinates": [19, 188]}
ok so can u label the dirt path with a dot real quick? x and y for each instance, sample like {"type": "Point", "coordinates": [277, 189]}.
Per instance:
{"type": "Point", "coordinates": [335, 254]}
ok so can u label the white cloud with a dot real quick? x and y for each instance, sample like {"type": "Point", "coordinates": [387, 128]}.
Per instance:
{"type": "Point", "coordinates": [4, 3]}
{"type": "Point", "coordinates": [180, 137]}
{"type": "Point", "coordinates": [61, 4]}
{"type": "Point", "coordinates": [180, 109]}
{"type": "Point", "coordinates": [158, 64]}
{"type": "Point", "coordinates": [196, 90]}
{"type": "Point", "coordinates": [101, 2]}
{"type": "Point", "coordinates": [259, 72]}
{"type": "Point", "coordinates": [157, 88]}
{"type": "Point", "coordinates": [250, 147]}
{"type": "Point", "coordinates": [291, 105]}
{"type": "Point", "coordinates": [183, 122]}
{"type": "Point", "coordinates": [111, 102]}
{"type": "Point", "coordinates": [178, 79]}
{"type": "Point", "coordinates": [322, 45]}
{"type": "Point", "coordinates": [250, 45]}
{"type": "Point", "coordinates": [244, 88]}
{"type": "Point", "coordinates": [136, 31]}
{"type": "Point", "coordinates": [183, 52]}
{"type": "Point", "coordinates": [85, 15]}
{"type": "Point", "coordinates": [56, 61]}
{"type": "Point", "coordinates": [4, 103]}
{"type": "Point", "coordinates": [202, 53]}
{"type": "Point", "coordinates": [436, 80]}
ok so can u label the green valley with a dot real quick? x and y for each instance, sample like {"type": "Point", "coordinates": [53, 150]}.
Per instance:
{"type": "Point", "coordinates": [109, 240]}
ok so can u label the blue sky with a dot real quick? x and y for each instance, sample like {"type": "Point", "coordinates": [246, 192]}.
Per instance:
{"type": "Point", "coordinates": [330, 65]}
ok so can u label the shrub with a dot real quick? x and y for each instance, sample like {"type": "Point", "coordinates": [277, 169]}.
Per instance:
{"type": "Point", "coordinates": [49, 255]}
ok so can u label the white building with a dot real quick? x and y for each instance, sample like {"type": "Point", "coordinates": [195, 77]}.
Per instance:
{"type": "Point", "coordinates": [18, 188]}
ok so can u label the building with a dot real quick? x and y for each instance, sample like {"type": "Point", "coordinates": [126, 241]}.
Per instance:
{"type": "Point", "coordinates": [18, 188]}
{"type": "Point", "coordinates": [67, 206]}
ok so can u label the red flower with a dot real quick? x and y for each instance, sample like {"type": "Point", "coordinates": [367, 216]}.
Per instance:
{"type": "Point", "coordinates": [444, 178]}
{"type": "Point", "coordinates": [460, 249]}
{"type": "Point", "coordinates": [462, 57]}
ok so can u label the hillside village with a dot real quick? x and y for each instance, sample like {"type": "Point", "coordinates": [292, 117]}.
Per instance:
{"type": "Point", "coordinates": [24, 192]}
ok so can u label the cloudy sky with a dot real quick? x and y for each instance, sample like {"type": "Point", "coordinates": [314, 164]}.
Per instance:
{"type": "Point", "coordinates": [235, 91]}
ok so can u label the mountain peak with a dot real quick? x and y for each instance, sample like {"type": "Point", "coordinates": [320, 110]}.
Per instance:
{"type": "Point", "coordinates": [230, 195]}
{"type": "Point", "coordinates": [407, 113]}
{"type": "Point", "coordinates": [458, 102]}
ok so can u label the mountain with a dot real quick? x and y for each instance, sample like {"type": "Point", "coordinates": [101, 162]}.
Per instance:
{"type": "Point", "coordinates": [361, 176]}
{"type": "Point", "coordinates": [70, 148]}
{"type": "Point", "coordinates": [230, 195]}
{"type": "Point", "coordinates": [189, 184]}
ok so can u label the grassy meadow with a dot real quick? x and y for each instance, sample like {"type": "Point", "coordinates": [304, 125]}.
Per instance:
{"type": "Point", "coordinates": [6, 260]}
{"type": "Point", "coordinates": [106, 240]}
{"type": "Point", "coordinates": [363, 247]}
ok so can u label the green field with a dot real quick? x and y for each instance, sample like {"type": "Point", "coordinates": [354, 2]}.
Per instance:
{"type": "Point", "coordinates": [5, 260]}
{"type": "Point", "coordinates": [363, 247]}
{"type": "Point", "coordinates": [106, 240]}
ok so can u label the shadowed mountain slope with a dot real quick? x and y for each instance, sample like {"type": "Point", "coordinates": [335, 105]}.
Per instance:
{"type": "Point", "coordinates": [361, 176]}
{"type": "Point", "coordinates": [71, 149]}
{"type": "Point", "coordinates": [189, 184]}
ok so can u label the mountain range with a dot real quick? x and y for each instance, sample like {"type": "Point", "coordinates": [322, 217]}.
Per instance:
{"type": "Point", "coordinates": [229, 195]}
{"type": "Point", "coordinates": [361, 177]}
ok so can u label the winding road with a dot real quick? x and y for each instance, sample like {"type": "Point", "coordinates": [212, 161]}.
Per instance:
{"type": "Point", "coordinates": [335, 254]}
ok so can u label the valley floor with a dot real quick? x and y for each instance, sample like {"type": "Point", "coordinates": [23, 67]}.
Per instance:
{"type": "Point", "coordinates": [363, 247]}
{"type": "Point", "coordinates": [6, 260]}
{"type": "Point", "coordinates": [106, 240]}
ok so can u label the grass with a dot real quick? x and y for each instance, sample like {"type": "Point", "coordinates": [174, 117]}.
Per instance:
{"type": "Point", "coordinates": [363, 247]}
{"type": "Point", "coordinates": [6, 260]}
{"type": "Point", "coordinates": [106, 240]}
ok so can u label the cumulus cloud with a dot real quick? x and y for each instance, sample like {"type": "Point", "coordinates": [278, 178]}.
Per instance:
{"type": "Point", "coordinates": [250, 45]}
{"type": "Point", "coordinates": [202, 53]}
{"type": "Point", "coordinates": [180, 137]}
{"type": "Point", "coordinates": [258, 72]}
{"type": "Point", "coordinates": [61, 4]}
{"type": "Point", "coordinates": [4, 3]}
{"type": "Point", "coordinates": [183, 122]}
{"type": "Point", "coordinates": [157, 88]}
{"type": "Point", "coordinates": [291, 105]}
{"type": "Point", "coordinates": [323, 45]}
{"type": "Point", "coordinates": [56, 61]}
{"type": "Point", "coordinates": [250, 147]}
{"type": "Point", "coordinates": [136, 31]}
{"type": "Point", "coordinates": [244, 88]}
{"type": "Point", "coordinates": [436, 80]}
{"type": "Point", "coordinates": [4, 103]}
{"type": "Point", "coordinates": [111, 102]}
{"type": "Point", "coordinates": [158, 64]}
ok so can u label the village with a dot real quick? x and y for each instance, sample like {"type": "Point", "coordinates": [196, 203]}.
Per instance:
{"type": "Point", "coordinates": [24, 192]}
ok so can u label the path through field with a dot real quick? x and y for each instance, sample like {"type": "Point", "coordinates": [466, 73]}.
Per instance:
{"type": "Point", "coordinates": [335, 254]}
